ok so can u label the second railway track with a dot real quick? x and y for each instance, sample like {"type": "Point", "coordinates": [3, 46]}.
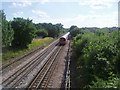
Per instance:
{"type": "Point", "coordinates": [43, 77]}
{"type": "Point", "coordinates": [13, 63]}
{"type": "Point", "coordinates": [36, 72]}
{"type": "Point", "coordinates": [17, 76]}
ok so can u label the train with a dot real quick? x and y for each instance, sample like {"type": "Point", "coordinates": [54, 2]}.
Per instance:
{"type": "Point", "coordinates": [64, 38]}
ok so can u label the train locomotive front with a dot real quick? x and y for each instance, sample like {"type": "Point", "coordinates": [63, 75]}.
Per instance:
{"type": "Point", "coordinates": [63, 39]}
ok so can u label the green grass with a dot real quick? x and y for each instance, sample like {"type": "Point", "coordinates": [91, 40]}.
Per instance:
{"type": "Point", "coordinates": [10, 53]}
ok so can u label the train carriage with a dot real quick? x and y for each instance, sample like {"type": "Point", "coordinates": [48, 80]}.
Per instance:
{"type": "Point", "coordinates": [63, 39]}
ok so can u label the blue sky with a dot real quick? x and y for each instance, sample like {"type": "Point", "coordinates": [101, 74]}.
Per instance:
{"type": "Point", "coordinates": [82, 13]}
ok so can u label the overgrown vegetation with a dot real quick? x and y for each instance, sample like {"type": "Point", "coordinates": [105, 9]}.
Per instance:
{"type": "Point", "coordinates": [7, 31]}
{"type": "Point", "coordinates": [19, 32]}
{"type": "Point", "coordinates": [9, 53]}
{"type": "Point", "coordinates": [97, 59]}
{"type": "Point", "coordinates": [17, 35]}
{"type": "Point", "coordinates": [24, 32]}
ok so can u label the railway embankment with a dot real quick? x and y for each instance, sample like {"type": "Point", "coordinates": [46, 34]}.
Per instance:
{"type": "Point", "coordinates": [26, 66]}
{"type": "Point", "coordinates": [21, 75]}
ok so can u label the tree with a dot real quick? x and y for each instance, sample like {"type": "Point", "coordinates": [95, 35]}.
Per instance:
{"type": "Point", "coordinates": [24, 31]}
{"type": "Point", "coordinates": [53, 30]}
{"type": "Point", "coordinates": [39, 26]}
{"type": "Point", "coordinates": [7, 31]}
{"type": "Point", "coordinates": [74, 30]}
{"type": "Point", "coordinates": [42, 33]}
{"type": "Point", "coordinates": [59, 28]}
{"type": "Point", "coordinates": [73, 27]}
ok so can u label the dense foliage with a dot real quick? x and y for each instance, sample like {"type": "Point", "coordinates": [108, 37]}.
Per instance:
{"type": "Point", "coordinates": [20, 32]}
{"type": "Point", "coordinates": [51, 30]}
{"type": "Point", "coordinates": [74, 30]}
{"type": "Point", "coordinates": [41, 33]}
{"type": "Point", "coordinates": [24, 32]}
{"type": "Point", "coordinates": [7, 31]}
{"type": "Point", "coordinates": [97, 57]}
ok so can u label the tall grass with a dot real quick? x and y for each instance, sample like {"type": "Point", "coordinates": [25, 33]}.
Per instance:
{"type": "Point", "coordinates": [10, 53]}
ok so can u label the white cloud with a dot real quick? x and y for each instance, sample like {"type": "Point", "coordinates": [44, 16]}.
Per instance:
{"type": "Point", "coordinates": [26, 2]}
{"type": "Point", "coordinates": [82, 1]}
{"type": "Point", "coordinates": [44, 1]}
{"type": "Point", "coordinates": [21, 4]}
{"type": "Point", "coordinates": [95, 4]}
{"type": "Point", "coordinates": [40, 14]}
{"type": "Point", "coordinates": [90, 20]}
{"type": "Point", "coordinates": [98, 4]}
{"type": "Point", "coordinates": [18, 14]}
{"type": "Point", "coordinates": [96, 20]}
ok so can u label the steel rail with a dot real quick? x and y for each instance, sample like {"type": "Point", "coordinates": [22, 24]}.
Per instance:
{"type": "Point", "coordinates": [25, 74]}
{"type": "Point", "coordinates": [16, 74]}
{"type": "Point", "coordinates": [21, 57]}
{"type": "Point", "coordinates": [39, 79]}
{"type": "Point", "coordinates": [67, 76]}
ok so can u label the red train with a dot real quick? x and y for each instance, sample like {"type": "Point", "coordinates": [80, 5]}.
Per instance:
{"type": "Point", "coordinates": [63, 39]}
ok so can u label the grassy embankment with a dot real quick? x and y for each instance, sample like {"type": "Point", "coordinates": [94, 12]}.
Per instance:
{"type": "Point", "coordinates": [9, 53]}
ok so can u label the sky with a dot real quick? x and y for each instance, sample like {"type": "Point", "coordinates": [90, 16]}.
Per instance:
{"type": "Point", "coordinates": [82, 13]}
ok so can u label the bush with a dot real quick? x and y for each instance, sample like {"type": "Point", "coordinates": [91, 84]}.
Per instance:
{"type": "Point", "coordinates": [96, 56]}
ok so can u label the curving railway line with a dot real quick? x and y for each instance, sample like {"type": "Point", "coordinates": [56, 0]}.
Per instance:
{"type": "Point", "coordinates": [14, 79]}
{"type": "Point", "coordinates": [36, 72]}
{"type": "Point", "coordinates": [10, 65]}
{"type": "Point", "coordinates": [13, 63]}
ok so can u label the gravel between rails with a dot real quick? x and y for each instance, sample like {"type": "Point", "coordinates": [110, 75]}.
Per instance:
{"type": "Point", "coordinates": [14, 63]}
{"type": "Point", "coordinates": [24, 63]}
{"type": "Point", "coordinates": [41, 64]}
{"type": "Point", "coordinates": [43, 77]}
{"type": "Point", "coordinates": [58, 76]}
{"type": "Point", "coordinates": [20, 58]}
{"type": "Point", "coordinates": [11, 64]}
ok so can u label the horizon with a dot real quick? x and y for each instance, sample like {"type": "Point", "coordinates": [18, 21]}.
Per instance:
{"type": "Point", "coordinates": [87, 13]}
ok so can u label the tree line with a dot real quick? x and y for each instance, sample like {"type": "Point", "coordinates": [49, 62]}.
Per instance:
{"type": "Point", "coordinates": [19, 32]}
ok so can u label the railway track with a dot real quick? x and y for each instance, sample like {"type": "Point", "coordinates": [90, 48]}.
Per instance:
{"type": "Point", "coordinates": [16, 78]}
{"type": "Point", "coordinates": [42, 79]}
{"type": "Point", "coordinates": [9, 65]}
{"type": "Point", "coordinates": [67, 83]}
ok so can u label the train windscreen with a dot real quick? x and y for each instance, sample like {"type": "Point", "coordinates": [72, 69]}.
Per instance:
{"type": "Point", "coordinates": [62, 39]}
